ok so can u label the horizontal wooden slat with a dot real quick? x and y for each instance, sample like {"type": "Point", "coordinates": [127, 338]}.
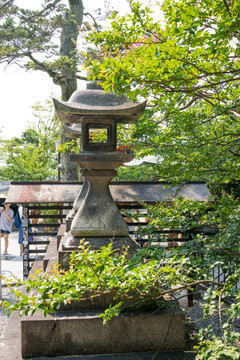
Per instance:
{"type": "Point", "coordinates": [51, 233]}
{"type": "Point", "coordinates": [122, 192]}
{"type": "Point", "coordinates": [37, 251]}
{"type": "Point", "coordinates": [49, 207]}
{"type": "Point", "coordinates": [176, 240]}
{"type": "Point", "coordinates": [39, 242]}
{"type": "Point", "coordinates": [46, 216]}
{"type": "Point", "coordinates": [131, 206]}
{"type": "Point", "coordinates": [41, 225]}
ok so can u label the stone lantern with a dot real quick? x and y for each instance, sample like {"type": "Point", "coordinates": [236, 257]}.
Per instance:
{"type": "Point", "coordinates": [96, 217]}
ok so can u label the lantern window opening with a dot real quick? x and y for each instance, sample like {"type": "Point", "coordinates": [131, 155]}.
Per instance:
{"type": "Point", "coordinates": [98, 134]}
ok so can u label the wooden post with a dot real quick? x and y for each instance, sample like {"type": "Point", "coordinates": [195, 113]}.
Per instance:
{"type": "Point", "coordinates": [190, 298]}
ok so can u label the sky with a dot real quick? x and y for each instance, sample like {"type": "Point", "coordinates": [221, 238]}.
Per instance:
{"type": "Point", "coordinates": [20, 90]}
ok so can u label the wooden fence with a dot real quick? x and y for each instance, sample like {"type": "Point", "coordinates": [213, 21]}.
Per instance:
{"type": "Point", "coordinates": [41, 222]}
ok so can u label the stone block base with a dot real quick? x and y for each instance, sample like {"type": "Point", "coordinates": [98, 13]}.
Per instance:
{"type": "Point", "coordinates": [82, 333]}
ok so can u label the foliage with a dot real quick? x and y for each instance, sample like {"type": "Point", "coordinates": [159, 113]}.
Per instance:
{"type": "Point", "coordinates": [28, 35]}
{"type": "Point", "coordinates": [143, 280]}
{"type": "Point", "coordinates": [28, 39]}
{"type": "Point", "coordinates": [138, 173]}
{"type": "Point", "coordinates": [186, 214]}
{"type": "Point", "coordinates": [132, 282]}
{"type": "Point", "coordinates": [217, 350]}
{"type": "Point", "coordinates": [33, 156]}
{"type": "Point", "coordinates": [46, 39]}
{"type": "Point", "coordinates": [203, 254]}
{"type": "Point", "coordinates": [187, 66]}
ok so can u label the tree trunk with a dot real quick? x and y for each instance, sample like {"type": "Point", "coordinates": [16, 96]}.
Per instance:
{"type": "Point", "coordinates": [69, 84]}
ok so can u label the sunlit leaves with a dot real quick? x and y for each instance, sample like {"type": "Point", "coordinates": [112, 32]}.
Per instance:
{"type": "Point", "coordinates": [32, 156]}
{"type": "Point", "coordinates": [187, 66]}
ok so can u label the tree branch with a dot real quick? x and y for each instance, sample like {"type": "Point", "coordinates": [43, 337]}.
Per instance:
{"type": "Point", "coordinates": [49, 6]}
{"type": "Point", "coordinates": [6, 4]}
{"type": "Point", "coordinates": [42, 66]}
{"type": "Point", "coordinates": [234, 154]}
{"type": "Point", "coordinates": [189, 103]}
{"type": "Point", "coordinates": [95, 23]}
{"type": "Point", "coordinates": [227, 7]}
{"type": "Point", "coordinates": [190, 285]}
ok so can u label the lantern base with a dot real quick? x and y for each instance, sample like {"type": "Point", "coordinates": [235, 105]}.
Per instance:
{"type": "Point", "coordinates": [69, 243]}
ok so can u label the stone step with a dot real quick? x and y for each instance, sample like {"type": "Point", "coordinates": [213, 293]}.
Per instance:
{"type": "Point", "coordinates": [82, 333]}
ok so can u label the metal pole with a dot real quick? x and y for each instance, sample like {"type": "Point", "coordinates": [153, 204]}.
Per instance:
{"type": "Point", "coordinates": [57, 142]}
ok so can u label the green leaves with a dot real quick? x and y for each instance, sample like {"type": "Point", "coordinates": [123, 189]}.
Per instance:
{"type": "Point", "coordinates": [132, 283]}
{"type": "Point", "coordinates": [111, 312]}
{"type": "Point", "coordinates": [188, 69]}
{"type": "Point", "coordinates": [217, 350]}
{"type": "Point", "coordinates": [142, 281]}
{"type": "Point", "coordinates": [32, 156]}
{"type": "Point", "coordinates": [24, 32]}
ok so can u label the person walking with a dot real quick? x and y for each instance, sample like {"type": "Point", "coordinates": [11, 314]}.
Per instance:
{"type": "Point", "coordinates": [6, 218]}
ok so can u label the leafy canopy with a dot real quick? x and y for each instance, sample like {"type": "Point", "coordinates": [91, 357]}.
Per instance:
{"type": "Point", "coordinates": [30, 38]}
{"type": "Point", "coordinates": [46, 39]}
{"type": "Point", "coordinates": [187, 66]}
{"type": "Point", "coordinates": [33, 156]}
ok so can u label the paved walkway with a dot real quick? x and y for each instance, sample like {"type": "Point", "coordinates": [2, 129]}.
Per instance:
{"type": "Point", "coordinates": [11, 264]}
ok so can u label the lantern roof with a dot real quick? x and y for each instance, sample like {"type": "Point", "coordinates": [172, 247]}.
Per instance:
{"type": "Point", "coordinates": [95, 104]}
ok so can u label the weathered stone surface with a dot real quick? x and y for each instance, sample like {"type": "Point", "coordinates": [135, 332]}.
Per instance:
{"type": "Point", "coordinates": [99, 160]}
{"type": "Point", "coordinates": [74, 131]}
{"type": "Point", "coordinates": [69, 243]}
{"type": "Point", "coordinates": [80, 198]}
{"type": "Point", "coordinates": [96, 104]}
{"type": "Point", "coordinates": [82, 332]}
{"type": "Point", "coordinates": [126, 192]}
{"type": "Point", "coordinates": [98, 214]}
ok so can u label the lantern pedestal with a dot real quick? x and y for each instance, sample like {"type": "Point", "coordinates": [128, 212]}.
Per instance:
{"type": "Point", "coordinates": [96, 218]}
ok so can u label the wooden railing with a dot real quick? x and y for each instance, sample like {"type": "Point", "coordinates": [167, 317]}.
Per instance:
{"type": "Point", "coordinates": [42, 221]}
